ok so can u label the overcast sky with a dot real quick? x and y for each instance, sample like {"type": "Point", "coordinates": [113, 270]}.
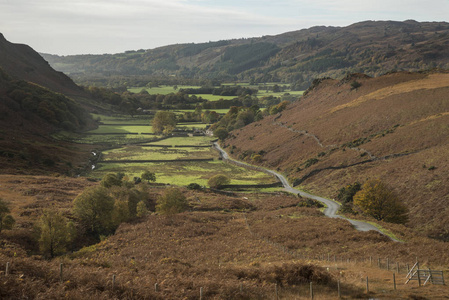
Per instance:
{"type": "Point", "coordinates": [111, 26]}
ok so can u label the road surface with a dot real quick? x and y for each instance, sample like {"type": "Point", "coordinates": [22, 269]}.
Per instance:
{"type": "Point", "coordinates": [332, 207]}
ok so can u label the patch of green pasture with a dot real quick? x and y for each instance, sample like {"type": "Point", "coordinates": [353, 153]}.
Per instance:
{"type": "Point", "coordinates": [122, 129]}
{"type": "Point", "coordinates": [147, 153]}
{"type": "Point", "coordinates": [263, 93]}
{"type": "Point", "coordinates": [180, 141]}
{"type": "Point", "coordinates": [218, 111]}
{"type": "Point", "coordinates": [114, 139]}
{"type": "Point", "coordinates": [162, 90]}
{"type": "Point", "coordinates": [211, 97]}
{"type": "Point", "coordinates": [122, 119]}
{"type": "Point", "coordinates": [184, 173]}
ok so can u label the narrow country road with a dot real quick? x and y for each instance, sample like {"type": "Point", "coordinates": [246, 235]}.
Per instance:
{"type": "Point", "coordinates": [331, 206]}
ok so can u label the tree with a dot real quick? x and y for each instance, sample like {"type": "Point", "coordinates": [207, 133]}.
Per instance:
{"type": "Point", "coordinates": [110, 180]}
{"type": "Point", "coordinates": [142, 209]}
{"type": "Point", "coordinates": [6, 220]}
{"type": "Point", "coordinates": [56, 233]}
{"type": "Point", "coordinates": [164, 122]}
{"type": "Point", "coordinates": [218, 181]}
{"type": "Point", "coordinates": [149, 176]}
{"type": "Point", "coordinates": [93, 208]}
{"type": "Point", "coordinates": [381, 202]}
{"type": "Point", "coordinates": [171, 202]}
{"type": "Point", "coordinates": [221, 133]}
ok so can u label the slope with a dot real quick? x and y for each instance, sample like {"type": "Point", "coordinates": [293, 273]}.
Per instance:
{"type": "Point", "coordinates": [22, 62]}
{"type": "Point", "coordinates": [393, 127]}
{"type": "Point", "coordinates": [295, 57]}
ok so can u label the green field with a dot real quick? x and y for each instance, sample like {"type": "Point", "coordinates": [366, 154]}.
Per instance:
{"type": "Point", "coordinates": [122, 129]}
{"type": "Point", "coordinates": [162, 90]}
{"type": "Point", "coordinates": [149, 153]}
{"type": "Point", "coordinates": [137, 120]}
{"type": "Point", "coordinates": [114, 131]}
{"type": "Point", "coordinates": [184, 173]}
{"type": "Point", "coordinates": [181, 141]}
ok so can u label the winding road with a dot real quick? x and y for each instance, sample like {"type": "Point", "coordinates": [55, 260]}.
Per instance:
{"type": "Point", "coordinates": [332, 207]}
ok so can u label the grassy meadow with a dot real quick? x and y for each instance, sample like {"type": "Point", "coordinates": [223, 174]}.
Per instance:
{"type": "Point", "coordinates": [131, 139]}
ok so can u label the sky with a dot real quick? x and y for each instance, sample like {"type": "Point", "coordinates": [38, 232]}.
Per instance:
{"type": "Point", "coordinates": [67, 27]}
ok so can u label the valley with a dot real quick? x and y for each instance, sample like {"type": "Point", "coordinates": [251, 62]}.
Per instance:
{"type": "Point", "coordinates": [244, 169]}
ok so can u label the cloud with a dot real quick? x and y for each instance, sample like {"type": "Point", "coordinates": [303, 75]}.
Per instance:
{"type": "Point", "coordinates": [100, 26]}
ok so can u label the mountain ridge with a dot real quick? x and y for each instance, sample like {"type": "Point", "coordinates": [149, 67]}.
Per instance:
{"type": "Point", "coordinates": [296, 57]}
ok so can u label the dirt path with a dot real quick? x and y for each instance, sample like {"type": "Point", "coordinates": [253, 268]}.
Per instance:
{"type": "Point", "coordinates": [332, 207]}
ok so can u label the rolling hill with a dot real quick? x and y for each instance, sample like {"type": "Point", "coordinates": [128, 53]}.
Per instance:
{"type": "Point", "coordinates": [393, 127]}
{"type": "Point", "coordinates": [297, 57]}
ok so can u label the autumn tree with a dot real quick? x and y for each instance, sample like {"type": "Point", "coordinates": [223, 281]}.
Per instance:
{"type": "Point", "coordinates": [164, 122]}
{"type": "Point", "coordinates": [171, 202]}
{"type": "Point", "coordinates": [218, 180]}
{"type": "Point", "coordinates": [6, 220]}
{"type": "Point", "coordinates": [110, 180]}
{"type": "Point", "coordinates": [381, 202]}
{"type": "Point", "coordinates": [55, 233]}
{"type": "Point", "coordinates": [94, 208]}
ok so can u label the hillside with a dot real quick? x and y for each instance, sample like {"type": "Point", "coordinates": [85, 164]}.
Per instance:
{"type": "Point", "coordinates": [393, 127]}
{"type": "Point", "coordinates": [29, 114]}
{"type": "Point", "coordinates": [36, 101]}
{"type": "Point", "coordinates": [297, 57]}
{"type": "Point", "coordinates": [22, 62]}
{"type": "Point", "coordinates": [233, 247]}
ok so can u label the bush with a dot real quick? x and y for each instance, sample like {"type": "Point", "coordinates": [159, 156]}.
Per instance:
{"type": "Point", "coordinates": [218, 181]}
{"type": "Point", "coordinates": [110, 180]}
{"type": "Point", "coordinates": [171, 202]}
{"type": "Point", "coordinates": [194, 186]}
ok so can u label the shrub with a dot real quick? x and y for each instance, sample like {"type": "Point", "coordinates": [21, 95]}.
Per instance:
{"type": "Point", "coordinates": [218, 181]}
{"type": "Point", "coordinates": [171, 202]}
{"type": "Point", "coordinates": [110, 180]}
{"type": "Point", "coordinates": [355, 85]}
{"type": "Point", "coordinates": [6, 220]}
{"type": "Point", "coordinates": [194, 186]}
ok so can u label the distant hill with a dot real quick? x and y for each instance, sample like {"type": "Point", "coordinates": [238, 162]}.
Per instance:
{"type": "Point", "coordinates": [393, 127]}
{"type": "Point", "coordinates": [297, 57]}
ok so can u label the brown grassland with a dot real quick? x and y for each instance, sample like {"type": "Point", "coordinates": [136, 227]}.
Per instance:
{"type": "Point", "coordinates": [393, 127]}
{"type": "Point", "coordinates": [233, 247]}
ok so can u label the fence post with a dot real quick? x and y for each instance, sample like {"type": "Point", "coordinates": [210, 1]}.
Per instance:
{"type": "Point", "coordinates": [367, 285]}
{"type": "Point", "coordinates": [388, 264]}
{"type": "Point", "coordinates": [155, 287]}
{"type": "Point", "coordinates": [241, 287]}
{"type": "Point", "coordinates": [371, 261]}
{"type": "Point", "coordinates": [397, 267]}
{"type": "Point", "coordinates": [311, 290]}
{"type": "Point", "coordinates": [60, 272]}
{"type": "Point", "coordinates": [7, 269]}
{"type": "Point", "coordinates": [394, 281]}
{"type": "Point", "coordinates": [338, 288]}
{"type": "Point", "coordinates": [201, 293]}
{"type": "Point", "coordinates": [113, 282]}
{"type": "Point", "coordinates": [276, 291]}
{"type": "Point", "coordinates": [408, 268]}
{"type": "Point", "coordinates": [419, 275]}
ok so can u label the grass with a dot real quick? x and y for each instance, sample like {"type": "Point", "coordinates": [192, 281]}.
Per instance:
{"type": "Point", "coordinates": [184, 173]}
{"type": "Point", "coordinates": [162, 90]}
{"type": "Point", "coordinates": [145, 153]}
{"type": "Point", "coordinates": [122, 119]}
{"type": "Point", "coordinates": [122, 129]}
{"type": "Point", "coordinates": [192, 141]}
